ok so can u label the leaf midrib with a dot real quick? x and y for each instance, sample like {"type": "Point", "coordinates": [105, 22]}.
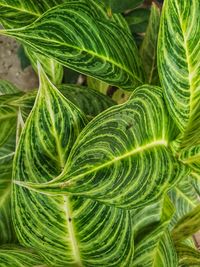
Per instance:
{"type": "Point", "coordinates": [103, 58]}
{"type": "Point", "coordinates": [118, 159]}
{"type": "Point", "coordinates": [71, 231]}
{"type": "Point", "coordinates": [187, 58]}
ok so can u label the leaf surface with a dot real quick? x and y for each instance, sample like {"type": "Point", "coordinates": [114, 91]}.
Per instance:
{"type": "Point", "coordinates": [16, 256]}
{"type": "Point", "coordinates": [148, 50]}
{"type": "Point", "coordinates": [69, 230]}
{"type": "Point", "coordinates": [84, 38]}
{"type": "Point", "coordinates": [122, 158]}
{"type": "Point", "coordinates": [179, 65]}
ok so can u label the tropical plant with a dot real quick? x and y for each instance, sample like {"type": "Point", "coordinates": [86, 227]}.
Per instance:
{"type": "Point", "coordinates": [106, 173]}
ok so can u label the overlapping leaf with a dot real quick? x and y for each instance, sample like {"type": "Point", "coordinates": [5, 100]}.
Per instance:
{"type": "Point", "coordinates": [66, 230]}
{"type": "Point", "coordinates": [19, 13]}
{"type": "Point", "coordinates": [7, 88]}
{"type": "Point", "coordinates": [84, 38]}
{"type": "Point", "coordinates": [121, 158]}
{"type": "Point", "coordinates": [184, 197]}
{"type": "Point", "coordinates": [188, 257]}
{"type": "Point", "coordinates": [148, 50]}
{"type": "Point", "coordinates": [153, 244]}
{"type": "Point", "coordinates": [51, 67]}
{"type": "Point", "coordinates": [16, 256]}
{"type": "Point", "coordinates": [179, 65]}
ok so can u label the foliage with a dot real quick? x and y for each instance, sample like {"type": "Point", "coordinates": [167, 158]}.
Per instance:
{"type": "Point", "coordinates": [106, 173]}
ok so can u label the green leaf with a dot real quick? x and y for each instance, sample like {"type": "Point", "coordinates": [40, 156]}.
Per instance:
{"type": "Point", "coordinates": [52, 68]}
{"type": "Point", "coordinates": [187, 226]}
{"type": "Point", "coordinates": [6, 156]}
{"type": "Point", "coordinates": [148, 48]}
{"type": "Point", "coordinates": [157, 249]}
{"type": "Point", "coordinates": [121, 6]}
{"type": "Point", "coordinates": [88, 100]}
{"type": "Point", "coordinates": [121, 157]}
{"type": "Point", "coordinates": [19, 13]}
{"type": "Point", "coordinates": [7, 88]}
{"type": "Point", "coordinates": [69, 230]}
{"type": "Point", "coordinates": [24, 60]}
{"type": "Point", "coordinates": [153, 244]}
{"type": "Point", "coordinates": [184, 197]}
{"type": "Point", "coordinates": [188, 257]}
{"type": "Point", "coordinates": [179, 69]}
{"type": "Point", "coordinates": [100, 86]}
{"type": "Point", "coordinates": [138, 20]}
{"type": "Point", "coordinates": [84, 38]}
{"type": "Point", "coordinates": [16, 256]}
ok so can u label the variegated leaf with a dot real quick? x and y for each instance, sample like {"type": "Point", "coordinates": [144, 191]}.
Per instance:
{"type": "Point", "coordinates": [148, 50]}
{"type": "Point", "coordinates": [84, 38]}
{"type": "Point", "coordinates": [19, 13]}
{"type": "Point", "coordinates": [122, 158]}
{"type": "Point", "coordinates": [16, 256]}
{"type": "Point", "coordinates": [184, 197]}
{"type": "Point", "coordinates": [7, 88]}
{"type": "Point", "coordinates": [187, 225]}
{"type": "Point", "coordinates": [188, 257]}
{"type": "Point", "coordinates": [179, 65]}
{"type": "Point", "coordinates": [50, 66]}
{"type": "Point", "coordinates": [153, 244]}
{"type": "Point", "coordinates": [88, 100]}
{"type": "Point", "coordinates": [66, 230]}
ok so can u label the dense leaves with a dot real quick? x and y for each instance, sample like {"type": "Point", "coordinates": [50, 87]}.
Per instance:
{"type": "Point", "coordinates": [88, 181]}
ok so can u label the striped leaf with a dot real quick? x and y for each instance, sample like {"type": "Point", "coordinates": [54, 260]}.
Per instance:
{"type": "Point", "coordinates": [157, 249]}
{"type": "Point", "coordinates": [187, 225]}
{"type": "Point", "coordinates": [121, 6]}
{"type": "Point", "coordinates": [52, 68]}
{"type": "Point", "coordinates": [153, 244]}
{"type": "Point", "coordinates": [179, 65]}
{"type": "Point", "coordinates": [16, 256]}
{"type": "Point", "coordinates": [7, 88]}
{"type": "Point", "coordinates": [110, 159]}
{"type": "Point", "coordinates": [6, 156]}
{"type": "Point", "coordinates": [88, 100]}
{"type": "Point", "coordinates": [188, 257]}
{"type": "Point", "coordinates": [69, 230]}
{"type": "Point", "coordinates": [84, 38]}
{"type": "Point", "coordinates": [184, 197]}
{"type": "Point", "coordinates": [19, 13]}
{"type": "Point", "coordinates": [148, 50]}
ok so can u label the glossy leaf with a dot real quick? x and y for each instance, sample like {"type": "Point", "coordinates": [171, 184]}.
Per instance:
{"type": "Point", "coordinates": [178, 57]}
{"type": "Point", "coordinates": [121, 157]}
{"type": "Point", "coordinates": [148, 50]}
{"type": "Point", "coordinates": [84, 38]}
{"type": "Point", "coordinates": [69, 230]}
{"type": "Point", "coordinates": [16, 256]}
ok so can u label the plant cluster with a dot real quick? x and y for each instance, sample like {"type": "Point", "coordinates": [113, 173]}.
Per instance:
{"type": "Point", "coordinates": [106, 173]}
